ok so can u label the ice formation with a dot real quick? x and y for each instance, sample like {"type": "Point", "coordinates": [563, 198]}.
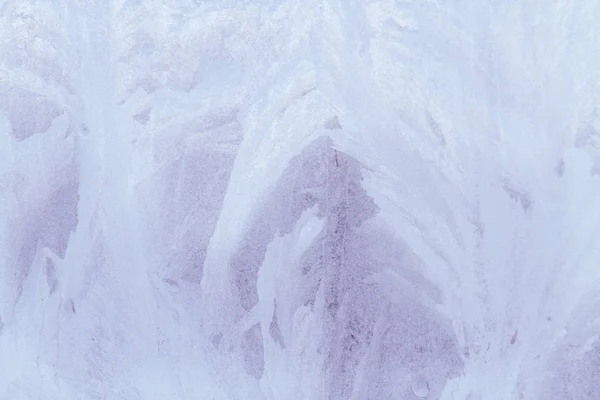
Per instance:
{"type": "Point", "coordinates": [299, 200]}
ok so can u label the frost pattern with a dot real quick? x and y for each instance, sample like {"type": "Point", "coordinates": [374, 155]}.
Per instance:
{"type": "Point", "coordinates": [332, 200]}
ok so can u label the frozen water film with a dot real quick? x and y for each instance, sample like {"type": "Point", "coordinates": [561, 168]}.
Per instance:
{"type": "Point", "coordinates": [299, 200]}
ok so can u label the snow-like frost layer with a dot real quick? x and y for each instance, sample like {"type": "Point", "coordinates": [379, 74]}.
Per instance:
{"type": "Point", "coordinates": [299, 200]}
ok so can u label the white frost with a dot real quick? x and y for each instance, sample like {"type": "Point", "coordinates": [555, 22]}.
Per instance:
{"type": "Point", "coordinates": [325, 199]}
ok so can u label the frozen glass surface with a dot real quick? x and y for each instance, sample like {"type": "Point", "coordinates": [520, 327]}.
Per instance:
{"type": "Point", "coordinates": [299, 200]}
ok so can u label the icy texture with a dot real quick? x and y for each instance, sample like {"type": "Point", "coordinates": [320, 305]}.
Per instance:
{"type": "Point", "coordinates": [299, 200]}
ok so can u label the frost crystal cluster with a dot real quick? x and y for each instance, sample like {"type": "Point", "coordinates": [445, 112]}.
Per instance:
{"type": "Point", "coordinates": [299, 200]}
